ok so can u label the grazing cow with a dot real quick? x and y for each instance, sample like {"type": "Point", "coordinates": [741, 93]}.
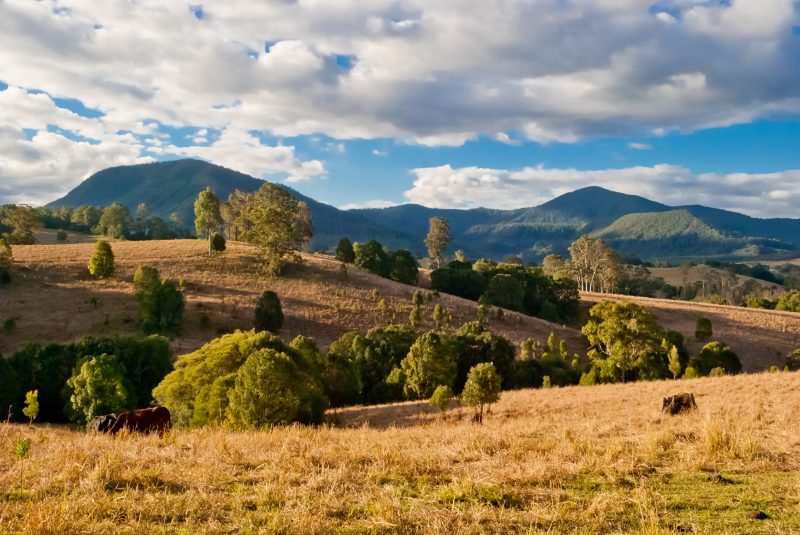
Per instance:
{"type": "Point", "coordinates": [678, 403]}
{"type": "Point", "coordinates": [103, 423]}
{"type": "Point", "coordinates": [153, 419]}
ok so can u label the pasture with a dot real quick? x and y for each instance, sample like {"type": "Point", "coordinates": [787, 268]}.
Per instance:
{"type": "Point", "coordinates": [596, 459]}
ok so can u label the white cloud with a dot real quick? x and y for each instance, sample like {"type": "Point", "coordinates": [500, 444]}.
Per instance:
{"type": "Point", "coordinates": [504, 138]}
{"type": "Point", "coordinates": [640, 146]}
{"type": "Point", "coordinates": [376, 152]}
{"type": "Point", "coordinates": [376, 203]}
{"type": "Point", "coordinates": [759, 195]}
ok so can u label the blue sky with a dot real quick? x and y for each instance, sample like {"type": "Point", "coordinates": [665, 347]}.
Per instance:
{"type": "Point", "coordinates": [451, 104]}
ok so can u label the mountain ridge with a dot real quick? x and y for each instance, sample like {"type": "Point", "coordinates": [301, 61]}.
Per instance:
{"type": "Point", "coordinates": [530, 233]}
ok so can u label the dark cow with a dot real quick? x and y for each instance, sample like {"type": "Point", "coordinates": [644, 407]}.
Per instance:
{"type": "Point", "coordinates": [103, 423]}
{"type": "Point", "coordinates": [678, 403]}
{"type": "Point", "coordinates": [151, 420]}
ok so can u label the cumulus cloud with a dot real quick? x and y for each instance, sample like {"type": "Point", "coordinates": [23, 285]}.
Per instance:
{"type": "Point", "coordinates": [759, 195]}
{"type": "Point", "coordinates": [640, 146]}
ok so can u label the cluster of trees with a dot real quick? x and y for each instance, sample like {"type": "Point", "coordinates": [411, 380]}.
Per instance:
{"type": "Point", "coordinates": [513, 286]}
{"type": "Point", "coordinates": [254, 379]}
{"type": "Point", "coordinates": [399, 265]}
{"type": "Point", "coordinates": [270, 218]}
{"type": "Point", "coordinates": [6, 259]}
{"type": "Point", "coordinates": [627, 343]}
{"type": "Point", "coordinates": [114, 221]}
{"type": "Point", "coordinates": [18, 224]}
{"type": "Point", "coordinates": [83, 379]}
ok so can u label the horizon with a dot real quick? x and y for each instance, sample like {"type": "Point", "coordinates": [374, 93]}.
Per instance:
{"type": "Point", "coordinates": [445, 105]}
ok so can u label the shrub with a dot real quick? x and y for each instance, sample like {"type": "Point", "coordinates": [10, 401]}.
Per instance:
{"type": "Point", "coordinates": [790, 301]}
{"type": "Point", "coordinates": [690, 373]}
{"type": "Point", "coordinates": [718, 372]}
{"type": "Point", "coordinates": [218, 242]}
{"type": "Point", "coordinates": [31, 409]}
{"type": "Point", "coordinates": [197, 391]}
{"type": "Point", "coordinates": [704, 329]}
{"type": "Point", "coordinates": [271, 389]}
{"type": "Point", "coordinates": [482, 388]}
{"type": "Point", "coordinates": [99, 386]}
{"type": "Point", "coordinates": [793, 360]}
{"type": "Point", "coordinates": [61, 235]}
{"type": "Point", "coordinates": [546, 383]}
{"type": "Point", "coordinates": [414, 317]}
{"type": "Point", "coordinates": [6, 259]}
{"type": "Point", "coordinates": [716, 355]}
{"type": "Point", "coordinates": [161, 303]}
{"type": "Point", "coordinates": [101, 264]}
{"type": "Point", "coordinates": [268, 313]}
{"type": "Point", "coordinates": [441, 397]}
{"type": "Point", "coordinates": [342, 379]}
{"type": "Point", "coordinates": [429, 364]}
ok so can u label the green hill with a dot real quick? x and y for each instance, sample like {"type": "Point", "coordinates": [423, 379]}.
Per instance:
{"type": "Point", "coordinates": [632, 224]}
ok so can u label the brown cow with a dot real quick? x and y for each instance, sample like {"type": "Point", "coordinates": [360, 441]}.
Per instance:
{"type": "Point", "coordinates": [153, 419]}
{"type": "Point", "coordinates": [678, 403]}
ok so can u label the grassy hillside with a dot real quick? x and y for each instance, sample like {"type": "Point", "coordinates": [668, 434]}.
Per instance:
{"type": "Point", "coordinates": [574, 460]}
{"type": "Point", "coordinates": [54, 299]}
{"type": "Point", "coordinates": [756, 335]}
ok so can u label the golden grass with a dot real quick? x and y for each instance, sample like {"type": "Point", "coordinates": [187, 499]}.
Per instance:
{"type": "Point", "coordinates": [573, 460]}
{"type": "Point", "coordinates": [54, 298]}
{"type": "Point", "coordinates": [675, 276]}
{"type": "Point", "coordinates": [756, 335]}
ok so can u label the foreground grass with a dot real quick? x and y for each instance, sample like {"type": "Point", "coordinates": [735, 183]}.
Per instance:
{"type": "Point", "coordinates": [573, 460]}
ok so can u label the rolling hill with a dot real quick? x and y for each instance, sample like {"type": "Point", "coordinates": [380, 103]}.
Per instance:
{"type": "Point", "coordinates": [634, 225]}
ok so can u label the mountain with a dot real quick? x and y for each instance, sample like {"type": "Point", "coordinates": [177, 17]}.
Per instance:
{"type": "Point", "coordinates": [633, 225]}
{"type": "Point", "coordinates": [169, 187]}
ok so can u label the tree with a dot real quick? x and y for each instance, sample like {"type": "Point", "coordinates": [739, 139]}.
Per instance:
{"type": "Point", "coordinates": [6, 260]}
{"type": "Point", "coordinates": [142, 211]}
{"type": "Point", "coordinates": [593, 264]}
{"type": "Point", "coordinates": [429, 364]}
{"type": "Point", "coordinates": [438, 239]}
{"type": "Point", "coordinates": [271, 216]}
{"type": "Point", "coordinates": [99, 386]}
{"type": "Point", "coordinates": [441, 398]}
{"type": "Point", "coordinates": [403, 267]}
{"type": "Point", "coordinates": [271, 389]}
{"type": "Point", "coordinates": [345, 252]}
{"type": "Point", "coordinates": [218, 243]}
{"type": "Point", "coordinates": [208, 218]}
{"type": "Point", "coordinates": [438, 315]}
{"type": "Point", "coordinates": [31, 409]}
{"type": "Point", "coordinates": [625, 337]}
{"type": "Point", "coordinates": [303, 226]}
{"type": "Point", "coordinates": [472, 344]}
{"type": "Point", "coordinates": [716, 355]}
{"type": "Point", "coordinates": [555, 266]}
{"type": "Point", "coordinates": [268, 312]}
{"type": "Point", "coordinates": [505, 291]}
{"type": "Point", "coordinates": [372, 257]}
{"type": "Point", "coordinates": [161, 304]}
{"type": "Point", "coordinates": [482, 388]}
{"type": "Point", "coordinates": [674, 362]}
{"type": "Point", "coordinates": [342, 379]}
{"type": "Point", "coordinates": [115, 221]}
{"type": "Point", "coordinates": [790, 301]}
{"type": "Point", "coordinates": [23, 221]}
{"type": "Point", "coordinates": [703, 329]}
{"type": "Point", "coordinates": [101, 264]}
{"type": "Point", "coordinates": [232, 215]}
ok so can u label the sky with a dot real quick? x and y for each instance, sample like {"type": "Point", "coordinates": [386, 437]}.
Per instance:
{"type": "Point", "coordinates": [452, 103]}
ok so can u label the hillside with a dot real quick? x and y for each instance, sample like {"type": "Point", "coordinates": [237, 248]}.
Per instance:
{"type": "Point", "coordinates": [53, 297]}
{"type": "Point", "coordinates": [530, 233]}
{"type": "Point", "coordinates": [756, 335]}
{"type": "Point", "coordinates": [591, 460]}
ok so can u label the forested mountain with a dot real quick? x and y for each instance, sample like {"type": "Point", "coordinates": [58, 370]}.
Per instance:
{"type": "Point", "coordinates": [633, 225]}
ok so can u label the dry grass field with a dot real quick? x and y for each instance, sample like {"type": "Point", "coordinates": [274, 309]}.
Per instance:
{"type": "Point", "coordinates": [53, 297]}
{"type": "Point", "coordinates": [676, 276]}
{"type": "Point", "coordinates": [756, 335]}
{"type": "Point", "coordinates": [596, 459]}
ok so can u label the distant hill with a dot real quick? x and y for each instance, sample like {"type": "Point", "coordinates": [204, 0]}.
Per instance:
{"type": "Point", "coordinates": [169, 187]}
{"type": "Point", "coordinates": [633, 225]}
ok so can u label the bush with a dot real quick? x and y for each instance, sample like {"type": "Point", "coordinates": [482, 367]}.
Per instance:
{"type": "Point", "coordinates": [793, 361]}
{"type": "Point", "coordinates": [268, 313]}
{"type": "Point", "coordinates": [198, 391]}
{"type": "Point", "coordinates": [703, 330]}
{"type": "Point", "coordinates": [790, 301]}
{"type": "Point", "coordinates": [482, 388]}
{"type": "Point", "coordinates": [218, 242]}
{"type": "Point", "coordinates": [718, 372]}
{"type": "Point", "coordinates": [429, 364]}
{"type": "Point", "coordinates": [98, 387]}
{"type": "Point", "coordinates": [101, 264]}
{"type": "Point", "coordinates": [342, 380]}
{"type": "Point", "coordinates": [61, 235]}
{"type": "Point", "coordinates": [271, 389]}
{"type": "Point", "coordinates": [6, 259]}
{"type": "Point", "coordinates": [441, 397]}
{"type": "Point", "coordinates": [716, 355]}
{"type": "Point", "coordinates": [690, 373]}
